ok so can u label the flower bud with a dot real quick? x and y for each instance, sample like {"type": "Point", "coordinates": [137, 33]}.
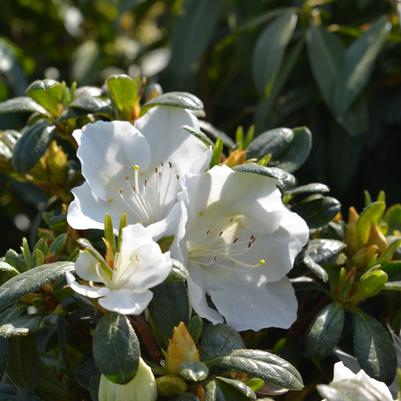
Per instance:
{"type": "Point", "coordinates": [352, 236]}
{"type": "Point", "coordinates": [170, 386]}
{"type": "Point", "coordinates": [364, 255]}
{"type": "Point", "coordinates": [141, 388]}
{"type": "Point", "coordinates": [376, 237]}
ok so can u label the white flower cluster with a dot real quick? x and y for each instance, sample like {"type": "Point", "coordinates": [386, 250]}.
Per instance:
{"type": "Point", "coordinates": [231, 230]}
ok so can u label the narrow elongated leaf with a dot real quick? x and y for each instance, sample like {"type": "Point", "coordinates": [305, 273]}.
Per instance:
{"type": "Point", "coordinates": [373, 347]}
{"type": "Point", "coordinates": [192, 32]}
{"type": "Point", "coordinates": [24, 363]}
{"type": "Point", "coordinates": [370, 215]}
{"type": "Point", "coordinates": [31, 280]}
{"type": "Point", "coordinates": [358, 65]}
{"type": "Point", "coordinates": [284, 180]}
{"type": "Point", "coordinates": [21, 104]}
{"type": "Point", "coordinates": [326, 54]}
{"type": "Point", "coordinates": [325, 331]}
{"type": "Point", "coordinates": [183, 100]}
{"type": "Point", "coordinates": [308, 189]}
{"type": "Point", "coordinates": [274, 370]}
{"type": "Point", "coordinates": [219, 339]}
{"type": "Point", "coordinates": [269, 51]}
{"type": "Point", "coordinates": [116, 348]}
{"type": "Point", "coordinates": [32, 145]}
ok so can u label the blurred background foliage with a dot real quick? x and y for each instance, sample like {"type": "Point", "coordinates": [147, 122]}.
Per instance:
{"type": "Point", "coordinates": [331, 65]}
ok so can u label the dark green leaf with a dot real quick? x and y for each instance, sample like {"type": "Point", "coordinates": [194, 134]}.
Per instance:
{"type": "Point", "coordinates": [124, 92]}
{"type": "Point", "coordinates": [3, 355]}
{"type": "Point", "coordinates": [308, 189]}
{"type": "Point", "coordinates": [32, 145]}
{"type": "Point", "coordinates": [191, 33]}
{"type": "Point", "coordinates": [358, 65]}
{"type": "Point", "coordinates": [195, 326]}
{"type": "Point", "coordinates": [198, 134]}
{"type": "Point", "coordinates": [325, 331]}
{"type": "Point", "coordinates": [31, 280]}
{"type": "Point", "coordinates": [169, 307]}
{"type": "Point", "coordinates": [21, 105]}
{"type": "Point", "coordinates": [24, 363]}
{"type": "Point", "coordinates": [284, 180]}
{"type": "Point", "coordinates": [185, 397]}
{"type": "Point", "coordinates": [48, 93]}
{"type": "Point", "coordinates": [194, 371]}
{"type": "Point", "coordinates": [323, 250]}
{"type": "Point", "coordinates": [21, 326]}
{"type": "Point", "coordinates": [8, 392]}
{"type": "Point", "coordinates": [219, 339]}
{"type": "Point", "coordinates": [181, 100]}
{"type": "Point", "coordinates": [318, 211]}
{"type": "Point", "coordinates": [273, 142]}
{"type": "Point", "coordinates": [315, 268]}
{"type": "Point", "coordinates": [241, 387]}
{"type": "Point", "coordinates": [269, 51]}
{"type": "Point", "coordinates": [91, 105]}
{"type": "Point", "coordinates": [275, 371]}
{"type": "Point", "coordinates": [113, 334]}
{"type": "Point", "coordinates": [373, 347]}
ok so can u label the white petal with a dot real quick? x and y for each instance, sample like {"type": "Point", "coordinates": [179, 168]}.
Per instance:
{"type": "Point", "coordinates": [168, 141]}
{"type": "Point", "coordinates": [86, 211]}
{"type": "Point", "coordinates": [126, 302]}
{"type": "Point", "coordinates": [141, 264]}
{"type": "Point", "coordinates": [248, 307]}
{"type": "Point", "coordinates": [89, 292]}
{"type": "Point", "coordinates": [108, 151]}
{"type": "Point", "coordinates": [341, 372]}
{"type": "Point", "coordinates": [380, 386]}
{"type": "Point", "coordinates": [198, 301]}
{"type": "Point", "coordinates": [168, 226]}
{"type": "Point", "coordinates": [85, 267]}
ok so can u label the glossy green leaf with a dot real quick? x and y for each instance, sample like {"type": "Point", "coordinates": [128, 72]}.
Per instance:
{"type": "Point", "coordinates": [113, 334]}
{"type": "Point", "coordinates": [49, 94]}
{"type": "Point", "coordinates": [269, 51]}
{"type": "Point", "coordinates": [169, 307]}
{"type": "Point", "coordinates": [194, 371]}
{"type": "Point", "coordinates": [192, 31]}
{"type": "Point", "coordinates": [318, 211]}
{"type": "Point", "coordinates": [183, 100]}
{"type": "Point", "coordinates": [31, 280]}
{"type": "Point", "coordinates": [124, 92]}
{"type": "Point", "coordinates": [284, 180]}
{"type": "Point", "coordinates": [373, 347]}
{"type": "Point", "coordinates": [219, 339]}
{"type": "Point", "coordinates": [308, 189]}
{"type": "Point", "coordinates": [325, 331]}
{"type": "Point", "coordinates": [273, 142]}
{"type": "Point", "coordinates": [239, 386]}
{"type": "Point", "coordinates": [24, 363]}
{"type": "Point", "coordinates": [358, 65]}
{"type": "Point", "coordinates": [32, 145]}
{"type": "Point", "coordinates": [315, 268]}
{"type": "Point", "coordinates": [323, 250]}
{"type": "Point", "coordinates": [21, 104]}
{"type": "Point", "coordinates": [275, 370]}
{"type": "Point", "coordinates": [370, 215]}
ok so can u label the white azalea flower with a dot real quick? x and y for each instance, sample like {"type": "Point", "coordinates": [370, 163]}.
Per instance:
{"type": "Point", "coordinates": [139, 265]}
{"type": "Point", "coordinates": [136, 169]}
{"type": "Point", "coordinates": [141, 388]}
{"type": "Point", "coordinates": [238, 242]}
{"type": "Point", "coordinates": [380, 389]}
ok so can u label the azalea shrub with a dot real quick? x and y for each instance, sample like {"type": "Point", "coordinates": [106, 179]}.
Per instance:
{"type": "Point", "coordinates": [169, 262]}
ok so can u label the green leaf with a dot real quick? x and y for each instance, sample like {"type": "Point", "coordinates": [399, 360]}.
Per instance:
{"type": "Point", "coordinates": [308, 189]}
{"type": "Point", "coordinates": [185, 397]}
{"type": "Point", "coordinates": [219, 339]}
{"type": "Point", "coordinates": [24, 363]}
{"type": "Point", "coordinates": [32, 145]}
{"type": "Point", "coordinates": [323, 250]}
{"type": "Point", "coordinates": [315, 268]}
{"type": "Point", "coordinates": [269, 51]}
{"type": "Point", "coordinates": [284, 180]}
{"type": "Point", "coordinates": [370, 284]}
{"type": "Point", "coordinates": [8, 392]}
{"type": "Point", "coordinates": [325, 331]}
{"type": "Point", "coordinates": [370, 215]}
{"type": "Point", "coordinates": [194, 371]}
{"type": "Point", "coordinates": [21, 104]}
{"type": "Point", "coordinates": [393, 218]}
{"type": "Point", "coordinates": [49, 94]}
{"type": "Point", "coordinates": [86, 104]}
{"type": "Point", "coordinates": [260, 364]}
{"type": "Point", "coordinates": [3, 355]}
{"type": "Point", "coordinates": [8, 269]}
{"type": "Point", "coordinates": [198, 134]}
{"type": "Point", "coordinates": [195, 326]}
{"type": "Point", "coordinates": [21, 326]}
{"type": "Point", "coordinates": [182, 100]}
{"type": "Point", "coordinates": [31, 280]}
{"type": "Point", "coordinates": [216, 153]}
{"type": "Point", "coordinates": [169, 307]}
{"type": "Point", "coordinates": [192, 32]}
{"type": "Point", "coordinates": [116, 348]}
{"type": "Point", "coordinates": [373, 347]}
{"type": "Point", "coordinates": [318, 211]}
{"type": "Point", "coordinates": [358, 65]}
{"type": "Point", "coordinates": [124, 92]}
{"type": "Point", "coordinates": [239, 386]}
{"type": "Point", "coordinates": [326, 54]}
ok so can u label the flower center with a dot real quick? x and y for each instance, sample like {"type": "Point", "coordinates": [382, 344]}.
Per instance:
{"type": "Point", "coordinates": [150, 195]}
{"type": "Point", "coordinates": [223, 246]}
